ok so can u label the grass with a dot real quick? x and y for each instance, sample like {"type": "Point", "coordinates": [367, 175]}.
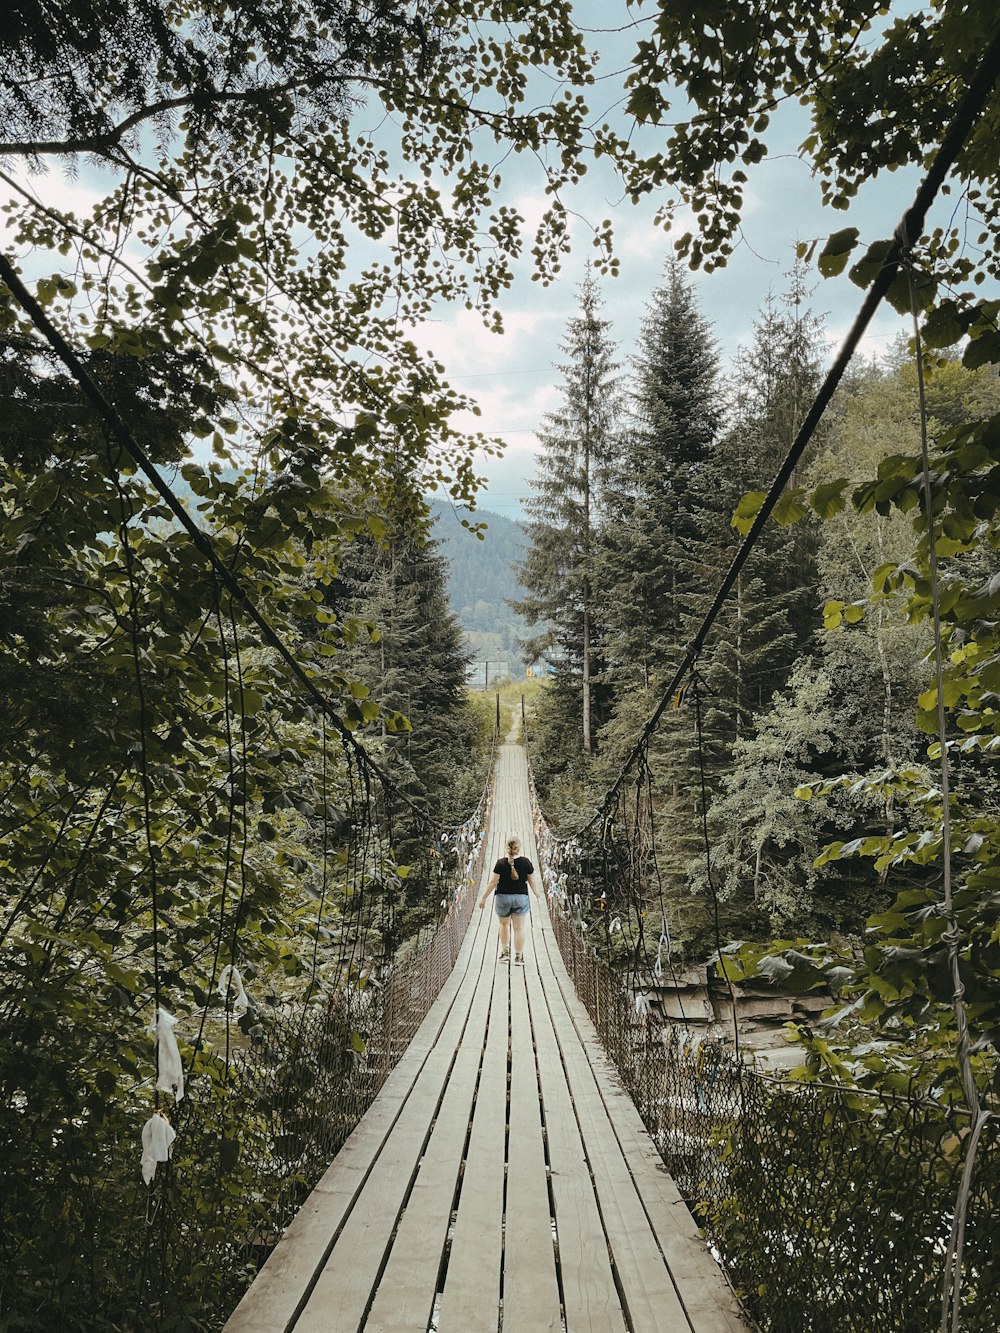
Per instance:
{"type": "Point", "coordinates": [510, 693]}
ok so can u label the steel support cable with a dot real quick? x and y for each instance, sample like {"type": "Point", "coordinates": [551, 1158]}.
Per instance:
{"type": "Point", "coordinates": [952, 1277]}
{"type": "Point", "coordinates": [202, 540]}
{"type": "Point", "coordinates": [910, 227]}
{"type": "Point", "coordinates": [713, 892]}
{"type": "Point", "coordinates": [147, 815]}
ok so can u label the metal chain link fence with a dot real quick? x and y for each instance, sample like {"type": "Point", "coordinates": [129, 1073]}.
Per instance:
{"type": "Point", "coordinates": [297, 1090]}
{"type": "Point", "coordinates": [830, 1208]}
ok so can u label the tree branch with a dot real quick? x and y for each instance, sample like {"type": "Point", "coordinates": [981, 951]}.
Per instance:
{"type": "Point", "coordinates": [111, 138]}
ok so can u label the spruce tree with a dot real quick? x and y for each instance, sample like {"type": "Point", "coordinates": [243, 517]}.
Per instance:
{"type": "Point", "coordinates": [652, 535]}
{"type": "Point", "coordinates": [576, 443]}
{"type": "Point", "coordinates": [772, 614]}
{"type": "Point", "coordinates": [415, 663]}
{"type": "Point", "coordinates": [657, 569]}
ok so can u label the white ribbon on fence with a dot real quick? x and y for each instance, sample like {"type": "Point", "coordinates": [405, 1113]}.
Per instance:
{"type": "Point", "coordinates": [231, 986]}
{"type": "Point", "coordinates": [664, 943]}
{"type": "Point", "coordinates": [158, 1135]}
{"type": "Point", "coordinates": [169, 1069]}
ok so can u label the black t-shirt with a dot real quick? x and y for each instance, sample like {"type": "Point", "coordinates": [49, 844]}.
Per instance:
{"type": "Point", "coordinates": [507, 882]}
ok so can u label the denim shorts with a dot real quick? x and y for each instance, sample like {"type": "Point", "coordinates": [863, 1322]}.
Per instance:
{"type": "Point", "coordinates": [511, 904]}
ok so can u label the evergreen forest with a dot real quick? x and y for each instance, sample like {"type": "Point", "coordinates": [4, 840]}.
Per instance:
{"type": "Point", "coordinates": [245, 586]}
{"type": "Point", "coordinates": [482, 580]}
{"type": "Point", "coordinates": [651, 470]}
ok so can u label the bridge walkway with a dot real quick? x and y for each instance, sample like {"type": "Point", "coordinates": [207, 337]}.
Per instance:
{"type": "Point", "coordinates": [502, 1180]}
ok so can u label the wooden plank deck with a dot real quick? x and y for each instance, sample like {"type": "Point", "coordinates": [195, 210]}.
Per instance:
{"type": "Point", "coordinates": [502, 1181]}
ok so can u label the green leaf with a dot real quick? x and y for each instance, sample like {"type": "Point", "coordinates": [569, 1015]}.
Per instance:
{"type": "Point", "coordinates": [829, 499]}
{"type": "Point", "coordinates": [229, 1154]}
{"type": "Point", "coordinates": [252, 701]}
{"type": "Point", "coordinates": [944, 326]}
{"type": "Point", "coordinates": [867, 269]}
{"type": "Point", "coordinates": [835, 254]}
{"type": "Point", "coordinates": [790, 508]}
{"type": "Point", "coordinates": [747, 510]}
{"type": "Point", "coordinates": [833, 614]}
{"type": "Point", "coordinates": [982, 351]}
{"type": "Point", "coordinates": [645, 103]}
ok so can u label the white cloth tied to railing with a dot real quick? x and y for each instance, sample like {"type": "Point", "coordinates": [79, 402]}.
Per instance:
{"type": "Point", "coordinates": [664, 943]}
{"type": "Point", "coordinates": [169, 1069]}
{"type": "Point", "coordinates": [231, 986]}
{"type": "Point", "coordinates": [158, 1135]}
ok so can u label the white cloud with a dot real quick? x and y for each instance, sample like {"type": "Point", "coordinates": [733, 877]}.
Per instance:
{"type": "Point", "coordinates": [56, 188]}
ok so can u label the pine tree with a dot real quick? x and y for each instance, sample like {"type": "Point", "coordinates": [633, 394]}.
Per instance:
{"type": "Point", "coordinates": [651, 538]}
{"type": "Point", "coordinates": [415, 663]}
{"type": "Point", "coordinates": [576, 442]}
{"type": "Point", "coordinates": [772, 614]}
{"type": "Point", "coordinates": [656, 569]}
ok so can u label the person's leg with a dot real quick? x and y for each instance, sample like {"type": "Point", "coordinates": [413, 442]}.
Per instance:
{"type": "Point", "coordinates": [501, 905]}
{"type": "Point", "coordinates": [519, 920]}
{"type": "Point", "coordinates": [518, 932]}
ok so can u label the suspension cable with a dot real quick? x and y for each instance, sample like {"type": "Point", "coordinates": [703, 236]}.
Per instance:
{"type": "Point", "coordinates": [202, 540]}
{"type": "Point", "coordinates": [952, 935]}
{"type": "Point", "coordinates": [713, 892]}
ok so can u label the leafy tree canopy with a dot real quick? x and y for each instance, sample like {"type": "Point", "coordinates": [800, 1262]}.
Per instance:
{"type": "Point", "coordinates": [244, 172]}
{"type": "Point", "coordinates": [881, 81]}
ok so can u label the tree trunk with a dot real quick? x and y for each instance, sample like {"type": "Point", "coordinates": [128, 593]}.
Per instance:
{"type": "Point", "coordinates": [586, 680]}
{"type": "Point", "coordinates": [589, 390]}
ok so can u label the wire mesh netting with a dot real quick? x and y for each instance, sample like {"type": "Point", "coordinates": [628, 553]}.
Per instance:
{"type": "Point", "coordinates": [829, 1207]}
{"type": "Point", "coordinates": [297, 1089]}
{"type": "Point", "coordinates": [272, 1092]}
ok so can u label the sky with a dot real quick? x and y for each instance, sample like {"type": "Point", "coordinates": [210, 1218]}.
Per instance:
{"type": "Point", "coordinates": [512, 376]}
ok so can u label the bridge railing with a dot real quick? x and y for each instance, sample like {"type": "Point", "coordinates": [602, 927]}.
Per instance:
{"type": "Point", "coordinates": [314, 1074]}
{"type": "Point", "coordinates": [830, 1207]}
{"type": "Point", "coordinates": [297, 1090]}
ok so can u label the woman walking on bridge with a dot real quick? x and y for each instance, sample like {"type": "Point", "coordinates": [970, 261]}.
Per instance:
{"type": "Point", "coordinates": [513, 877]}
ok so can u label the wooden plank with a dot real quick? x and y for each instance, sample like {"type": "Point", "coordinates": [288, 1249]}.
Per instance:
{"type": "Point", "coordinates": [708, 1300]}
{"type": "Point", "coordinates": [360, 1200]}
{"type": "Point", "coordinates": [273, 1300]}
{"type": "Point", "coordinates": [648, 1292]}
{"type": "Point", "coordinates": [530, 1287]}
{"type": "Point", "coordinates": [590, 1298]}
{"type": "Point", "coordinates": [344, 1286]}
{"type": "Point", "coordinates": [405, 1297]}
{"type": "Point", "coordinates": [470, 1302]}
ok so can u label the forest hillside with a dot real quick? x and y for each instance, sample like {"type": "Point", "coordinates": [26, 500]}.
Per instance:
{"type": "Point", "coordinates": [482, 575]}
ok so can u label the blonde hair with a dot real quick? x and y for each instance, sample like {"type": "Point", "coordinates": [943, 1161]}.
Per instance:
{"type": "Point", "coordinates": [513, 847]}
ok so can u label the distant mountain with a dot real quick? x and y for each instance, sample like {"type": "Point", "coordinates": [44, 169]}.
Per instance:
{"type": "Point", "coordinates": [482, 574]}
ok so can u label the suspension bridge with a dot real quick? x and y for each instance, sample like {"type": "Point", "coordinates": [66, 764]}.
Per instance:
{"type": "Point", "coordinates": [511, 1150]}
{"type": "Point", "coordinates": [502, 1178]}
